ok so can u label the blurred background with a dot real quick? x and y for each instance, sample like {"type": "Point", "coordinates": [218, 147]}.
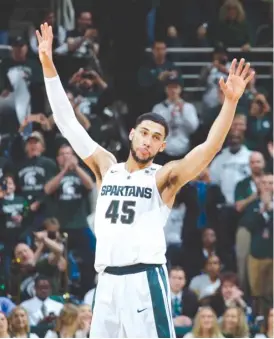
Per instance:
{"type": "Point", "coordinates": [117, 60]}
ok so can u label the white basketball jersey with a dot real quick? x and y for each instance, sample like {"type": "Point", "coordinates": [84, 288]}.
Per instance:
{"type": "Point", "coordinates": [129, 219]}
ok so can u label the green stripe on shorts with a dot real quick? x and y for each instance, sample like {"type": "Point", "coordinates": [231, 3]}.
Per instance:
{"type": "Point", "coordinates": [159, 308]}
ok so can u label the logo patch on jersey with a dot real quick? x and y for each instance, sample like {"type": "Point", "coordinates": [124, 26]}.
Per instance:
{"type": "Point", "coordinates": [127, 191]}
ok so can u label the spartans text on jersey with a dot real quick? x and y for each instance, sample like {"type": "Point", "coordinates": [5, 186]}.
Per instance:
{"type": "Point", "coordinates": [127, 191]}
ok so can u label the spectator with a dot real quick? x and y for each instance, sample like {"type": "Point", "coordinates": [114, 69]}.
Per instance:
{"type": "Point", "coordinates": [228, 295]}
{"type": "Point", "coordinates": [67, 324]}
{"type": "Point", "coordinates": [232, 28]}
{"type": "Point", "coordinates": [19, 324]}
{"type": "Point", "coordinates": [68, 191]}
{"type": "Point", "coordinates": [152, 75]}
{"type": "Point", "coordinates": [4, 326]}
{"type": "Point", "coordinates": [202, 199]}
{"type": "Point", "coordinates": [6, 166]}
{"type": "Point", "coordinates": [41, 308]}
{"type": "Point", "coordinates": [259, 124]}
{"type": "Point", "coordinates": [210, 77]}
{"type": "Point", "coordinates": [239, 123]}
{"type": "Point", "coordinates": [6, 306]}
{"type": "Point", "coordinates": [231, 166]}
{"type": "Point", "coordinates": [184, 303]}
{"type": "Point", "coordinates": [199, 254]}
{"type": "Point", "coordinates": [60, 47]}
{"type": "Point", "coordinates": [206, 284]}
{"type": "Point", "coordinates": [234, 324]}
{"type": "Point", "coordinates": [85, 316]}
{"type": "Point", "coordinates": [245, 194]}
{"type": "Point", "coordinates": [182, 119]}
{"type": "Point", "coordinates": [83, 40]}
{"type": "Point", "coordinates": [205, 325]}
{"type": "Point", "coordinates": [30, 264]}
{"type": "Point", "coordinates": [89, 86]}
{"type": "Point", "coordinates": [259, 221]}
{"type": "Point", "coordinates": [34, 171]}
{"type": "Point", "coordinates": [246, 190]}
{"type": "Point", "coordinates": [21, 76]}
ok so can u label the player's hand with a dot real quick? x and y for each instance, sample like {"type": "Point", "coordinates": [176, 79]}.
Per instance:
{"type": "Point", "coordinates": [237, 80]}
{"type": "Point", "coordinates": [45, 38]}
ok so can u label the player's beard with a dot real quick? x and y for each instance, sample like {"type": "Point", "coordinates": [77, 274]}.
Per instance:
{"type": "Point", "coordinates": [137, 159]}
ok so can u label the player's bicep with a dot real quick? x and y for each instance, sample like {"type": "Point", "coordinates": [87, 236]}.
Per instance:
{"type": "Point", "coordinates": [100, 161]}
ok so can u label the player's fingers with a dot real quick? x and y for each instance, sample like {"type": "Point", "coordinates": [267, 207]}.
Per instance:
{"type": "Point", "coordinates": [245, 70]}
{"type": "Point", "coordinates": [50, 32]}
{"type": "Point", "coordinates": [240, 67]}
{"type": "Point", "coordinates": [222, 84]}
{"type": "Point", "coordinates": [42, 31]}
{"type": "Point", "coordinates": [232, 67]}
{"type": "Point", "coordinates": [250, 77]}
{"type": "Point", "coordinates": [38, 35]}
{"type": "Point", "coordinates": [46, 29]}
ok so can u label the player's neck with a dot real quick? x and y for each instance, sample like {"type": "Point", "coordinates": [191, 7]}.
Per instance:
{"type": "Point", "coordinates": [132, 165]}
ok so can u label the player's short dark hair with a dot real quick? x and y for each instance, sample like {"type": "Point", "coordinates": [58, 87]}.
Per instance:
{"type": "Point", "coordinates": [155, 117]}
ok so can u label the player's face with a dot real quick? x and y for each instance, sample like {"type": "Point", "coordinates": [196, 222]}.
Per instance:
{"type": "Point", "coordinates": [146, 141]}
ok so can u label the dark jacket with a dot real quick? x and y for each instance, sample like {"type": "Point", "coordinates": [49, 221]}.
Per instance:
{"type": "Point", "coordinates": [189, 303]}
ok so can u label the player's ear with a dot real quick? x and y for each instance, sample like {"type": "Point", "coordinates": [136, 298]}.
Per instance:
{"type": "Point", "coordinates": [131, 133]}
{"type": "Point", "coordinates": [162, 148]}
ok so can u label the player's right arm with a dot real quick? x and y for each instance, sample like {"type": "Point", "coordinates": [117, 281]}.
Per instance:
{"type": "Point", "coordinates": [95, 157]}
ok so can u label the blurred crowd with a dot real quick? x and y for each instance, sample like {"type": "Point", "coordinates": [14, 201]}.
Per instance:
{"type": "Point", "coordinates": [220, 231]}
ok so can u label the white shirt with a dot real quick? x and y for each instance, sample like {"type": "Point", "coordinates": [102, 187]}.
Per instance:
{"type": "Point", "coordinates": [203, 286]}
{"type": "Point", "coordinates": [174, 225]}
{"type": "Point", "coordinates": [181, 125]}
{"type": "Point", "coordinates": [31, 335]}
{"type": "Point", "coordinates": [227, 169]}
{"type": "Point", "coordinates": [88, 299]}
{"type": "Point", "coordinates": [129, 214]}
{"type": "Point", "coordinates": [34, 308]}
{"type": "Point", "coordinates": [53, 334]}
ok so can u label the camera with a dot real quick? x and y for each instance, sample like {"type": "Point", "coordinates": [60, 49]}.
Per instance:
{"type": "Point", "coordinates": [52, 235]}
{"type": "Point", "coordinates": [3, 185]}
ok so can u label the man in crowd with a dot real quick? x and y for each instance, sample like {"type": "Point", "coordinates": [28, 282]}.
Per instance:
{"type": "Point", "coordinates": [68, 191]}
{"type": "Point", "coordinates": [246, 193]}
{"type": "Point", "coordinates": [154, 73]}
{"type": "Point", "coordinates": [181, 117]}
{"type": "Point", "coordinates": [184, 303]}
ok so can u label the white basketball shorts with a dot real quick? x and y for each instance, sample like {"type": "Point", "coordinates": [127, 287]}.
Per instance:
{"type": "Point", "coordinates": [132, 302]}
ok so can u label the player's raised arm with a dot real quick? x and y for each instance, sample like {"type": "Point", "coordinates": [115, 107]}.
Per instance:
{"type": "Point", "coordinates": [177, 173]}
{"type": "Point", "coordinates": [96, 157]}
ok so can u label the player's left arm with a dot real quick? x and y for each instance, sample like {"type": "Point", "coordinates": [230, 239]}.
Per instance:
{"type": "Point", "coordinates": [175, 174]}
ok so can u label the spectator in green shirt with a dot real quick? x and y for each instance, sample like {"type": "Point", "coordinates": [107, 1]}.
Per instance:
{"type": "Point", "coordinates": [259, 220]}
{"type": "Point", "coordinates": [246, 194]}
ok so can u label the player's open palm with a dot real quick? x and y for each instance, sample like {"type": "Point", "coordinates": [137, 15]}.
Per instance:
{"type": "Point", "coordinates": [45, 38]}
{"type": "Point", "coordinates": [237, 80]}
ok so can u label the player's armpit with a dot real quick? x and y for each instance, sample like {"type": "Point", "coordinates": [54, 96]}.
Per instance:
{"type": "Point", "coordinates": [175, 174]}
{"type": "Point", "coordinates": [100, 162]}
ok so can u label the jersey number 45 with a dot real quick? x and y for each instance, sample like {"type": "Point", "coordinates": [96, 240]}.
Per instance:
{"type": "Point", "coordinates": [126, 215]}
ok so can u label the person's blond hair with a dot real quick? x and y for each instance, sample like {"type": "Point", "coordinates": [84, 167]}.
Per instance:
{"type": "Point", "coordinates": [241, 330]}
{"type": "Point", "coordinates": [197, 328]}
{"type": "Point", "coordinates": [68, 316]}
{"type": "Point", "coordinates": [11, 318]}
{"type": "Point", "coordinates": [232, 3]}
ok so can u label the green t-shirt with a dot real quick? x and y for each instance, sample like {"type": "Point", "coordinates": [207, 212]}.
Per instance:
{"type": "Point", "coordinates": [245, 189]}
{"type": "Point", "coordinates": [11, 208]}
{"type": "Point", "coordinates": [70, 202]}
{"type": "Point", "coordinates": [33, 175]}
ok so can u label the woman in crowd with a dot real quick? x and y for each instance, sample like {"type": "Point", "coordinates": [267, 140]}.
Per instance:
{"type": "Point", "coordinates": [67, 324]}
{"type": "Point", "coordinates": [205, 325]}
{"type": "Point", "coordinates": [85, 316]}
{"type": "Point", "coordinates": [228, 295]}
{"type": "Point", "coordinates": [4, 326]}
{"type": "Point", "coordinates": [234, 324]}
{"type": "Point", "coordinates": [19, 324]}
{"type": "Point", "coordinates": [205, 285]}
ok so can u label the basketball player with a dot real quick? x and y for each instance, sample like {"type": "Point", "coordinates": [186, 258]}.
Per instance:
{"type": "Point", "coordinates": [134, 200]}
